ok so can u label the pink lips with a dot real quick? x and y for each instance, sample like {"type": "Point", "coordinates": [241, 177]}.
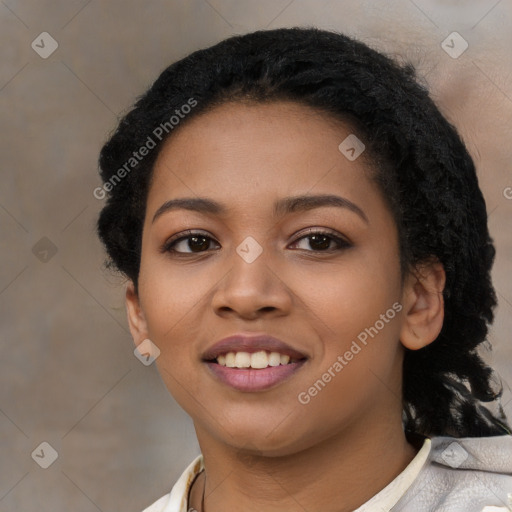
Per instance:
{"type": "Point", "coordinates": [250, 379]}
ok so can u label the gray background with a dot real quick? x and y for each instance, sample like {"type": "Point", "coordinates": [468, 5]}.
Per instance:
{"type": "Point", "coordinates": [68, 373]}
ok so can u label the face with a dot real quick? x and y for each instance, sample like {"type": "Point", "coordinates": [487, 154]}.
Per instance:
{"type": "Point", "coordinates": [321, 275]}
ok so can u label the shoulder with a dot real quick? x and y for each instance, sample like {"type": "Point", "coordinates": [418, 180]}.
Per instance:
{"type": "Point", "coordinates": [463, 474]}
{"type": "Point", "coordinates": [485, 454]}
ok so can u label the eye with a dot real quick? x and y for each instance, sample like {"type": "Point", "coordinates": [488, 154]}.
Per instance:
{"type": "Point", "coordinates": [195, 242]}
{"type": "Point", "coordinates": [321, 241]}
{"type": "Point", "coordinates": [190, 242]}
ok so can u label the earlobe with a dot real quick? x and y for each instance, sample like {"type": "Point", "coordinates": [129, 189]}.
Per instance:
{"type": "Point", "coordinates": [136, 319]}
{"type": "Point", "coordinates": [423, 305]}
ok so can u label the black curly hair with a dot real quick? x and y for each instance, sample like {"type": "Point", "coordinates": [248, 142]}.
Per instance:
{"type": "Point", "coordinates": [421, 166]}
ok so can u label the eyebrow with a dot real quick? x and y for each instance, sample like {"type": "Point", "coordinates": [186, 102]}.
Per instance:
{"type": "Point", "coordinates": [281, 206]}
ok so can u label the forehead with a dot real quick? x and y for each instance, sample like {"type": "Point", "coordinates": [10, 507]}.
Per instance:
{"type": "Point", "coordinates": [255, 152]}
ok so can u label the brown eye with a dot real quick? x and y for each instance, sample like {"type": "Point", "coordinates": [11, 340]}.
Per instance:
{"type": "Point", "coordinates": [322, 241]}
{"type": "Point", "coordinates": [188, 244]}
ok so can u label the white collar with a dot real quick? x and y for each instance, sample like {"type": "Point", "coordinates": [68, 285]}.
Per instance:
{"type": "Point", "coordinates": [388, 497]}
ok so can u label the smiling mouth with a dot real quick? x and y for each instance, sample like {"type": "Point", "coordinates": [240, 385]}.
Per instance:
{"type": "Point", "coordinates": [252, 363]}
{"type": "Point", "coordinates": [256, 360]}
{"type": "Point", "coordinates": [253, 371]}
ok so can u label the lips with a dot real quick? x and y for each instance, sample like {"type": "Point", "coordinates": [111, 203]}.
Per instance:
{"type": "Point", "coordinates": [251, 344]}
{"type": "Point", "coordinates": [249, 379]}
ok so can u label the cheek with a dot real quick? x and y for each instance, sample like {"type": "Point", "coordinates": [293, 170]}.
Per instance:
{"type": "Point", "coordinates": [172, 306]}
{"type": "Point", "coordinates": [172, 295]}
{"type": "Point", "coordinates": [351, 295]}
{"type": "Point", "coordinates": [356, 309]}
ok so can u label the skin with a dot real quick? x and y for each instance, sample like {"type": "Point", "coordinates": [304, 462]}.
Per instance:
{"type": "Point", "coordinates": [265, 450]}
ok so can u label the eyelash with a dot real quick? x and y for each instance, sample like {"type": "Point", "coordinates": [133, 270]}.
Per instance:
{"type": "Point", "coordinates": [341, 242]}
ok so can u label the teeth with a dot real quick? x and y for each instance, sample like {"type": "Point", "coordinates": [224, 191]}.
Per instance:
{"type": "Point", "coordinates": [259, 359]}
{"type": "Point", "coordinates": [284, 359]}
{"type": "Point", "coordinates": [274, 359]}
{"type": "Point", "coordinates": [230, 360]}
{"type": "Point", "coordinates": [256, 360]}
{"type": "Point", "coordinates": [242, 360]}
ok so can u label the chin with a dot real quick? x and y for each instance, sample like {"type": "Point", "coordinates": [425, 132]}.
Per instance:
{"type": "Point", "coordinates": [254, 438]}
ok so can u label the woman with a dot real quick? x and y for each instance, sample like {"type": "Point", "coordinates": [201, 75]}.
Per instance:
{"type": "Point", "coordinates": [307, 248]}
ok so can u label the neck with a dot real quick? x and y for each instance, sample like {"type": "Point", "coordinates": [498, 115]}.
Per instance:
{"type": "Point", "coordinates": [339, 474]}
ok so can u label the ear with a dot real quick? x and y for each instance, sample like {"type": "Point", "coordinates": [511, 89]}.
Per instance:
{"type": "Point", "coordinates": [423, 304]}
{"type": "Point", "coordinates": [136, 319]}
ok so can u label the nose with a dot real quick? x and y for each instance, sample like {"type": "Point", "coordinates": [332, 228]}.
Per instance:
{"type": "Point", "coordinates": [249, 290]}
